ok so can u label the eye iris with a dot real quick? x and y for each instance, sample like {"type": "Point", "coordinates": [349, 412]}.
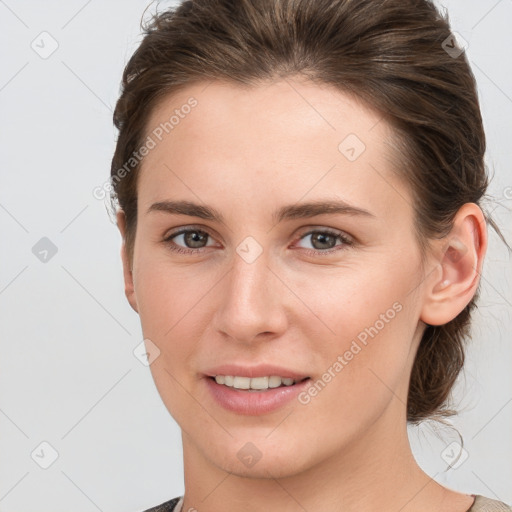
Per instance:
{"type": "Point", "coordinates": [193, 237]}
{"type": "Point", "coordinates": [322, 238]}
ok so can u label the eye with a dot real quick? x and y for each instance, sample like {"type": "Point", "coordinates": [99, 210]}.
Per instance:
{"type": "Point", "coordinates": [324, 241]}
{"type": "Point", "coordinates": [193, 238]}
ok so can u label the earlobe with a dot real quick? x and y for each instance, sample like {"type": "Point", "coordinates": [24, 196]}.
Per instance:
{"type": "Point", "coordinates": [460, 261]}
{"type": "Point", "coordinates": [129, 289]}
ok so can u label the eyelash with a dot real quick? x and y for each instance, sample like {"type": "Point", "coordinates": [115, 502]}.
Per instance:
{"type": "Point", "coordinates": [311, 252]}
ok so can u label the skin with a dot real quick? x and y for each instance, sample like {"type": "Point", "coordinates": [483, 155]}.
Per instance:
{"type": "Point", "coordinates": [245, 152]}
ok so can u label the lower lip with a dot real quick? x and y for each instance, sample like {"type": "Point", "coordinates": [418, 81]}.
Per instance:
{"type": "Point", "coordinates": [253, 403]}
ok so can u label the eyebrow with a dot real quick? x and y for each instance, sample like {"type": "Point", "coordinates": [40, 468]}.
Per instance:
{"type": "Point", "coordinates": [288, 212]}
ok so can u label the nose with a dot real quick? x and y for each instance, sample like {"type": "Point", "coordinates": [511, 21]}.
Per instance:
{"type": "Point", "coordinates": [252, 302]}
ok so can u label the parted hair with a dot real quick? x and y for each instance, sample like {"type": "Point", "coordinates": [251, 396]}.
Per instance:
{"type": "Point", "coordinates": [393, 55]}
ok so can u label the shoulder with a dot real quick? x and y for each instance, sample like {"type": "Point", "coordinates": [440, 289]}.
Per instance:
{"type": "Point", "coordinates": [168, 506]}
{"type": "Point", "coordinates": [483, 504]}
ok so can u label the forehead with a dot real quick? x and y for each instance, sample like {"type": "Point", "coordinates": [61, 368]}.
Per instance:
{"type": "Point", "coordinates": [274, 142]}
{"type": "Point", "coordinates": [271, 108]}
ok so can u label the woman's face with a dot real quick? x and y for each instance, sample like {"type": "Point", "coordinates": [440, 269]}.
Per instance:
{"type": "Point", "coordinates": [334, 296]}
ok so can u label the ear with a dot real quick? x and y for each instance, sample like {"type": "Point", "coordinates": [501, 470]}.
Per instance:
{"type": "Point", "coordinates": [127, 270]}
{"type": "Point", "coordinates": [459, 260]}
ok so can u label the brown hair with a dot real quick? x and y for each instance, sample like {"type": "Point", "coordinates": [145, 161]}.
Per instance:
{"type": "Point", "coordinates": [392, 54]}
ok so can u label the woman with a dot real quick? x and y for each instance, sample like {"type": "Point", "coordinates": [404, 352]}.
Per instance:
{"type": "Point", "coordinates": [298, 186]}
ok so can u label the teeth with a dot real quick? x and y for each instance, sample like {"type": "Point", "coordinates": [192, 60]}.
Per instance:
{"type": "Point", "coordinates": [258, 383]}
{"type": "Point", "coordinates": [242, 383]}
{"type": "Point", "coordinates": [274, 382]}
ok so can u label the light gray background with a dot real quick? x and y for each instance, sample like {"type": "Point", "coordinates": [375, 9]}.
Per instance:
{"type": "Point", "coordinates": [67, 372]}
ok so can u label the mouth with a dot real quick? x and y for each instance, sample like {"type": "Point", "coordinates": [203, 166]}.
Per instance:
{"type": "Point", "coordinates": [255, 395]}
{"type": "Point", "coordinates": [256, 384]}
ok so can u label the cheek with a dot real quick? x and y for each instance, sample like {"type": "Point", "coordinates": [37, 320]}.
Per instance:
{"type": "Point", "coordinates": [358, 302]}
{"type": "Point", "coordinates": [372, 317]}
{"type": "Point", "coordinates": [164, 292]}
{"type": "Point", "coordinates": [168, 306]}
{"type": "Point", "coordinates": [365, 373]}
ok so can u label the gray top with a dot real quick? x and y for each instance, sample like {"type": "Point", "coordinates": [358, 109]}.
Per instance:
{"type": "Point", "coordinates": [481, 504]}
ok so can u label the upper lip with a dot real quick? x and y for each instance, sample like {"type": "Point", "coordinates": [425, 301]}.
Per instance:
{"type": "Point", "coordinates": [261, 370]}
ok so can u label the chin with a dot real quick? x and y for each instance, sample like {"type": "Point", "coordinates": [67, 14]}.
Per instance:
{"type": "Point", "coordinates": [259, 458]}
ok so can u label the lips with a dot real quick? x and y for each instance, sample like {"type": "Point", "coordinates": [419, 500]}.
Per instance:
{"type": "Point", "coordinates": [244, 393]}
{"type": "Point", "coordinates": [253, 402]}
